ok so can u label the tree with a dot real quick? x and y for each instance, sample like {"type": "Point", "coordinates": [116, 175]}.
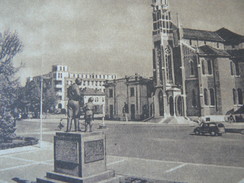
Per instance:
{"type": "Point", "coordinates": [33, 94]}
{"type": "Point", "coordinates": [10, 46]}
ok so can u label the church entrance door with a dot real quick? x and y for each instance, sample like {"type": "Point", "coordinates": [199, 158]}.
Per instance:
{"type": "Point", "coordinates": [161, 103]}
{"type": "Point", "coordinates": [171, 106]}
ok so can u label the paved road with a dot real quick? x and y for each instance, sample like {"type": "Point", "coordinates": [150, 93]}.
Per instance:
{"type": "Point", "coordinates": [160, 142]}
{"type": "Point", "coordinates": [147, 150]}
{"type": "Point", "coordinates": [175, 143]}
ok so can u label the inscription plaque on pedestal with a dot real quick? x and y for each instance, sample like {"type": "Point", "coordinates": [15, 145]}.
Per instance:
{"type": "Point", "coordinates": [93, 151]}
{"type": "Point", "coordinates": [67, 151]}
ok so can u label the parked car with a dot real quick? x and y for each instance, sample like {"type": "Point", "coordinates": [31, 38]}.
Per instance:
{"type": "Point", "coordinates": [235, 115]}
{"type": "Point", "coordinates": [212, 128]}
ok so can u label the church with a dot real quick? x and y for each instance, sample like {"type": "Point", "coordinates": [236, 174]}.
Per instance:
{"type": "Point", "coordinates": [195, 73]}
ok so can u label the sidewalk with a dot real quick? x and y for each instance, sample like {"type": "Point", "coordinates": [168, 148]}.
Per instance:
{"type": "Point", "coordinates": [63, 117]}
{"type": "Point", "coordinates": [32, 162]}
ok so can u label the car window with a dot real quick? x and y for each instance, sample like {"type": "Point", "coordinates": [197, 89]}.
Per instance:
{"type": "Point", "coordinates": [205, 125]}
{"type": "Point", "coordinates": [220, 125]}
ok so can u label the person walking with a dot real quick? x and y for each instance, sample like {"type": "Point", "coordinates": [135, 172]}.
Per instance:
{"type": "Point", "coordinates": [125, 111]}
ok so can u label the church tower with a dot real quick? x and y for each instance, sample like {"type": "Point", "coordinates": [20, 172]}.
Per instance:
{"type": "Point", "coordinates": [163, 66]}
{"type": "Point", "coordinates": [163, 42]}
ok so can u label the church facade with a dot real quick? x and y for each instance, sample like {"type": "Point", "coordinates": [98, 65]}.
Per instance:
{"type": "Point", "coordinates": [195, 72]}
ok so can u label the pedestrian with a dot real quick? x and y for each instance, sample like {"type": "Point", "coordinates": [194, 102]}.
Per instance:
{"type": "Point", "coordinates": [89, 114]}
{"type": "Point", "coordinates": [73, 106]}
{"type": "Point", "coordinates": [125, 111]}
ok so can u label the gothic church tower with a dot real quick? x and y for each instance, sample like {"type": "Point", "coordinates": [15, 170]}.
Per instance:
{"type": "Point", "coordinates": [163, 65]}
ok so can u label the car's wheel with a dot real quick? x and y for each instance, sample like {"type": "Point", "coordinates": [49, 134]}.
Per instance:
{"type": "Point", "coordinates": [212, 133]}
{"type": "Point", "coordinates": [231, 119]}
{"type": "Point", "coordinates": [242, 132]}
{"type": "Point", "coordinates": [197, 132]}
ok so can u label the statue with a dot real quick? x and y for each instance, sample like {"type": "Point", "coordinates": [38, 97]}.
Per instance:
{"type": "Point", "coordinates": [73, 106]}
{"type": "Point", "coordinates": [89, 114]}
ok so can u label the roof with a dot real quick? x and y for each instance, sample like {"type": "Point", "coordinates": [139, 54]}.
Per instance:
{"type": "Point", "coordinates": [90, 91]}
{"type": "Point", "coordinates": [133, 78]}
{"type": "Point", "coordinates": [240, 110]}
{"type": "Point", "coordinates": [237, 54]}
{"type": "Point", "coordinates": [210, 51]}
{"type": "Point", "coordinates": [229, 36]}
{"type": "Point", "coordinates": [201, 35]}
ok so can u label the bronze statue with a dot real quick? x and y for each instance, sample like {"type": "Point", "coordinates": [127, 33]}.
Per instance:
{"type": "Point", "coordinates": [74, 105]}
{"type": "Point", "coordinates": [89, 114]}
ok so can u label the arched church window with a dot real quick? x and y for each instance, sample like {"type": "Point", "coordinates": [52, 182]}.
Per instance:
{"type": "Point", "coordinates": [205, 96]}
{"type": "Point", "coordinates": [240, 97]}
{"type": "Point", "coordinates": [237, 69]}
{"type": "Point", "coordinates": [210, 68]}
{"type": "Point", "coordinates": [168, 63]}
{"type": "Point", "coordinates": [212, 97]}
{"type": "Point", "coordinates": [234, 95]}
{"type": "Point", "coordinates": [203, 67]}
{"type": "Point", "coordinates": [192, 68]}
{"type": "Point", "coordinates": [231, 68]}
{"type": "Point", "coordinates": [194, 99]}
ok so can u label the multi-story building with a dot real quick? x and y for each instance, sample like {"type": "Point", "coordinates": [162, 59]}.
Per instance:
{"type": "Point", "coordinates": [99, 99]}
{"type": "Point", "coordinates": [196, 72]}
{"type": "Point", "coordinates": [134, 91]}
{"type": "Point", "coordinates": [62, 78]}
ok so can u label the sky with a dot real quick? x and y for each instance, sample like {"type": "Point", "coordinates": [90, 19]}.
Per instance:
{"type": "Point", "coordinates": [105, 36]}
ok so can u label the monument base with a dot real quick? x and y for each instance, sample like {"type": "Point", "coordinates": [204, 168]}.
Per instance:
{"type": "Point", "coordinates": [104, 177]}
{"type": "Point", "coordinates": [80, 158]}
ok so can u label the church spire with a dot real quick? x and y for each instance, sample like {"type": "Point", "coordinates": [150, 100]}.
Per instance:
{"type": "Point", "coordinates": [161, 17]}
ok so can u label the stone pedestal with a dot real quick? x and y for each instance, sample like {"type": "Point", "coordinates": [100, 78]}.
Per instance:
{"type": "Point", "coordinates": [79, 158]}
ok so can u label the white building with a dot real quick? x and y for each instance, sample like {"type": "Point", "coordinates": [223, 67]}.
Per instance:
{"type": "Point", "coordinates": [62, 78]}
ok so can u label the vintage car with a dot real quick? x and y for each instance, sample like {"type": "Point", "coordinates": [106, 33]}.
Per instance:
{"type": "Point", "coordinates": [212, 128]}
{"type": "Point", "coordinates": [235, 115]}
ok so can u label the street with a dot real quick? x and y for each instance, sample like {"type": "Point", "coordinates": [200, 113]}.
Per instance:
{"type": "Point", "coordinates": [159, 142]}
{"type": "Point", "coordinates": [161, 152]}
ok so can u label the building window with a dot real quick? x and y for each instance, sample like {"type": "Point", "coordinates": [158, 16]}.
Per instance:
{"type": "Point", "coordinates": [132, 92]}
{"type": "Point", "coordinates": [210, 68]}
{"type": "Point", "coordinates": [240, 98]}
{"type": "Point", "coordinates": [203, 67]}
{"type": "Point", "coordinates": [205, 96]}
{"type": "Point", "coordinates": [190, 42]}
{"type": "Point", "coordinates": [212, 97]}
{"type": "Point", "coordinates": [194, 99]}
{"type": "Point", "coordinates": [234, 95]}
{"type": "Point", "coordinates": [111, 93]}
{"type": "Point", "coordinates": [154, 17]}
{"type": "Point", "coordinates": [155, 26]}
{"type": "Point", "coordinates": [192, 68]}
{"type": "Point", "coordinates": [217, 45]}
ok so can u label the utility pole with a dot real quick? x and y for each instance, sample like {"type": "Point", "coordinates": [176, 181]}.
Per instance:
{"type": "Point", "coordinates": [41, 112]}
